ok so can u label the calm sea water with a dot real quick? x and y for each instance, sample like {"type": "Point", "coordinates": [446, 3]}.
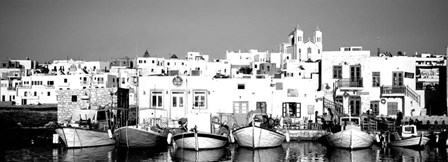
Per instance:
{"type": "Point", "coordinates": [294, 151]}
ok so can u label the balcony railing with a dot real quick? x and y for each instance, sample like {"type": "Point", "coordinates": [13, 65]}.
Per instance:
{"type": "Point", "coordinates": [11, 88]}
{"type": "Point", "coordinates": [400, 90]}
{"type": "Point", "coordinates": [349, 82]}
{"type": "Point", "coordinates": [393, 89]}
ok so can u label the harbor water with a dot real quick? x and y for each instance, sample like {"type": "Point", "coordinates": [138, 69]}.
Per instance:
{"type": "Point", "coordinates": [293, 151]}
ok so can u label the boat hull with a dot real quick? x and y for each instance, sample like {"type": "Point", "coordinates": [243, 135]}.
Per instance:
{"type": "Point", "coordinates": [350, 139]}
{"type": "Point", "coordinates": [79, 138]}
{"type": "Point", "coordinates": [200, 141]}
{"type": "Point", "coordinates": [419, 141]}
{"type": "Point", "coordinates": [256, 137]}
{"type": "Point", "coordinates": [132, 137]}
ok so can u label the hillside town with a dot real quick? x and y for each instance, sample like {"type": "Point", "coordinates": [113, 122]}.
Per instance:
{"type": "Point", "coordinates": [301, 80]}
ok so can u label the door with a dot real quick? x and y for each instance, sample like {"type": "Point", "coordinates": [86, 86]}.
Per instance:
{"type": "Point", "coordinates": [240, 110]}
{"type": "Point", "coordinates": [397, 78]}
{"type": "Point", "coordinates": [355, 105]}
{"type": "Point", "coordinates": [177, 105]}
{"type": "Point", "coordinates": [355, 73]}
{"type": "Point", "coordinates": [291, 109]}
{"type": "Point", "coordinates": [392, 108]}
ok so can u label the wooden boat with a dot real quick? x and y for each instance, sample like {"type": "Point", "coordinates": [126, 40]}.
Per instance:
{"type": "Point", "coordinates": [351, 136]}
{"type": "Point", "coordinates": [203, 138]}
{"type": "Point", "coordinates": [255, 136]}
{"type": "Point", "coordinates": [78, 137]}
{"type": "Point", "coordinates": [89, 132]}
{"type": "Point", "coordinates": [199, 140]}
{"type": "Point", "coordinates": [140, 136]}
{"type": "Point", "coordinates": [408, 138]}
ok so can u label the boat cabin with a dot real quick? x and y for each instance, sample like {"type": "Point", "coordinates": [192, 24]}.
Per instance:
{"type": "Point", "coordinates": [350, 122]}
{"type": "Point", "coordinates": [409, 130]}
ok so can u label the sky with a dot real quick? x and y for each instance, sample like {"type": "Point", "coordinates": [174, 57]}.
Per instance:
{"type": "Point", "coordinates": [46, 30]}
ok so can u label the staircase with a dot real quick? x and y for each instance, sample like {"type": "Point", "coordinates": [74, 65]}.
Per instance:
{"type": "Point", "coordinates": [412, 94]}
{"type": "Point", "coordinates": [336, 108]}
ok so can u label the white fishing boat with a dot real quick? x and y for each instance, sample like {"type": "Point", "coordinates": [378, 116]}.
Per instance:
{"type": "Point", "coordinates": [350, 136]}
{"type": "Point", "coordinates": [408, 138]}
{"type": "Point", "coordinates": [256, 136]}
{"type": "Point", "coordinates": [88, 132]}
{"type": "Point", "coordinates": [140, 136]}
{"type": "Point", "coordinates": [74, 137]}
{"type": "Point", "coordinates": [202, 136]}
{"type": "Point", "coordinates": [200, 141]}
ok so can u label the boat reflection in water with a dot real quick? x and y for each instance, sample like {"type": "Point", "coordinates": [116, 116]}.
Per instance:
{"type": "Point", "coordinates": [265, 154]}
{"type": "Point", "coordinates": [305, 151]}
{"type": "Point", "coordinates": [218, 154]}
{"type": "Point", "coordinates": [86, 154]}
{"type": "Point", "coordinates": [340, 154]}
{"type": "Point", "coordinates": [407, 154]}
{"type": "Point", "coordinates": [142, 154]}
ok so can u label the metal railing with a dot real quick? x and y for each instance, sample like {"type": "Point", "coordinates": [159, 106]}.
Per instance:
{"type": "Point", "coordinates": [411, 93]}
{"type": "Point", "coordinates": [405, 90]}
{"type": "Point", "coordinates": [349, 82]}
{"type": "Point", "coordinates": [393, 89]}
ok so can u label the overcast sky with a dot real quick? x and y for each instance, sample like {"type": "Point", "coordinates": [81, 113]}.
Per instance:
{"type": "Point", "coordinates": [103, 29]}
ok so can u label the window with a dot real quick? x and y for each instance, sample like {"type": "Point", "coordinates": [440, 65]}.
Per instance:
{"type": "Point", "coordinates": [199, 100]}
{"type": "Point", "coordinates": [374, 107]}
{"type": "Point", "coordinates": [309, 50]}
{"type": "Point", "coordinates": [74, 98]}
{"type": "Point", "coordinates": [261, 106]}
{"type": "Point", "coordinates": [48, 93]}
{"type": "Point", "coordinates": [153, 61]}
{"type": "Point", "coordinates": [241, 86]}
{"type": "Point", "coordinates": [177, 99]}
{"type": "Point", "coordinates": [318, 39]}
{"type": "Point", "coordinates": [139, 61]}
{"type": "Point", "coordinates": [255, 66]}
{"type": "Point", "coordinates": [397, 78]}
{"type": "Point", "coordinates": [375, 79]}
{"type": "Point", "coordinates": [337, 72]}
{"type": "Point", "coordinates": [291, 109]}
{"type": "Point", "coordinates": [144, 61]}
{"type": "Point", "coordinates": [339, 99]}
{"type": "Point", "coordinates": [300, 38]}
{"type": "Point", "coordinates": [392, 108]}
{"type": "Point", "coordinates": [35, 93]}
{"type": "Point", "coordinates": [65, 80]}
{"type": "Point", "coordinates": [157, 99]}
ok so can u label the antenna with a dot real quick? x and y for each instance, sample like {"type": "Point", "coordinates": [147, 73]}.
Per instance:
{"type": "Point", "coordinates": [378, 46]}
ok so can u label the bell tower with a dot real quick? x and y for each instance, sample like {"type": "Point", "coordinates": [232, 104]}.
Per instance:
{"type": "Point", "coordinates": [318, 40]}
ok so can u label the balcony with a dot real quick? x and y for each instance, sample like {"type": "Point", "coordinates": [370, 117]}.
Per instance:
{"type": "Point", "coordinates": [347, 84]}
{"type": "Point", "coordinates": [393, 91]}
{"type": "Point", "coordinates": [11, 88]}
{"type": "Point", "coordinates": [398, 91]}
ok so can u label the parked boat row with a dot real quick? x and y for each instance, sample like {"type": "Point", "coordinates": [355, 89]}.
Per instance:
{"type": "Point", "coordinates": [207, 133]}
